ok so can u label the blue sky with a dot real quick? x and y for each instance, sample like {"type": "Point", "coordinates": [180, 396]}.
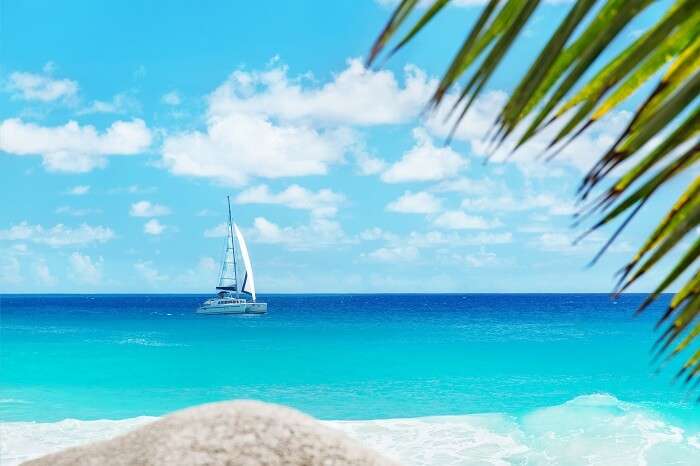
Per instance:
{"type": "Point", "coordinates": [123, 127]}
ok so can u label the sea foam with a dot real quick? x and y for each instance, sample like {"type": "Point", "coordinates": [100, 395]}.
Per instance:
{"type": "Point", "coordinates": [588, 430]}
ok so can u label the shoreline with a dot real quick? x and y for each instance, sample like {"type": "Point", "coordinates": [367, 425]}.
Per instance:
{"type": "Point", "coordinates": [599, 424]}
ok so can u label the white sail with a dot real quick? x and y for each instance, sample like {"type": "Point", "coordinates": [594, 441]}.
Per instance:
{"type": "Point", "coordinates": [227, 278]}
{"type": "Point", "coordinates": [248, 282]}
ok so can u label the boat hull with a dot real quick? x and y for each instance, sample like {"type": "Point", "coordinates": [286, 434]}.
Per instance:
{"type": "Point", "coordinates": [234, 308]}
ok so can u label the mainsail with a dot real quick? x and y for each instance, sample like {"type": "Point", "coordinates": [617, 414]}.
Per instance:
{"type": "Point", "coordinates": [248, 281]}
{"type": "Point", "coordinates": [227, 277]}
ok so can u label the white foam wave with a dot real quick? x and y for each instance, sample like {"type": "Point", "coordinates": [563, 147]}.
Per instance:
{"type": "Point", "coordinates": [21, 441]}
{"type": "Point", "coordinates": [588, 430]}
{"type": "Point", "coordinates": [145, 342]}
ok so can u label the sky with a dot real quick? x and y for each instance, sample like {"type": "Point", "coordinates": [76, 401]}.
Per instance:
{"type": "Point", "coordinates": [124, 126]}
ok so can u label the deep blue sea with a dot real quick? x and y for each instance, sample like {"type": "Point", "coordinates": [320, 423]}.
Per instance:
{"type": "Point", "coordinates": [428, 379]}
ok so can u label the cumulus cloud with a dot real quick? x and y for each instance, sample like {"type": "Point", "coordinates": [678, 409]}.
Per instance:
{"type": "Point", "coordinates": [171, 98]}
{"type": "Point", "coordinates": [84, 269]}
{"type": "Point", "coordinates": [355, 96]}
{"type": "Point", "coordinates": [148, 272]}
{"type": "Point", "coordinates": [425, 162]}
{"type": "Point", "coordinates": [369, 165]}
{"type": "Point", "coordinates": [71, 147]}
{"type": "Point", "coordinates": [564, 243]}
{"type": "Point", "coordinates": [40, 87]}
{"type": "Point", "coordinates": [472, 186]}
{"type": "Point", "coordinates": [579, 155]}
{"type": "Point", "coordinates": [394, 254]}
{"type": "Point", "coordinates": [74, 212]}
{"type": "Point", "coordinates": [421, 202]}
{"type": "Point", "coordinates": [321, 203]}
{"type": "Point", "coordinates": [43, 273]}
{"type": "Point", "coordinates": [153, 227]}
{"type": "Point", "coordinates": [270, 125]}
{"type": "Point", "coordinates": [458, 220]}
{"type": "Point", "coordinates": [447, 247]}
{"type": "Point", "coordinates": [432, 239]}
{"type": "Point", "coordinates": [79, 190]}
{"type": "Point", "coordinates": [217, 231]}
{"type": "Point", "coordinates": [10, 269]}
{"type": "Point", "coordinates": [121, 103]}
{"type": "Point", "coordinates": [319, 233]}
{"type": "Point", "coordinates": [508, 202]}
{"type": "Point", "coordinates": [207, 264]}
{"type": "Point", "coordinates": [240, 146]}
{"type": "Point", "coordinates": [58, 235]}
{"type": "Point", "coordinates": [148, 209]}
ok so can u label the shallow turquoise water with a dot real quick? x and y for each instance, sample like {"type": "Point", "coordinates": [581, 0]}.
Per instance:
{"type": "Point", "coordinates": [340, 357]}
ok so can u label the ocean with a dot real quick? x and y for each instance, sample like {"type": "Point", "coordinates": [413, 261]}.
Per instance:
{"type": "Point", "coordinates": [438, 379]}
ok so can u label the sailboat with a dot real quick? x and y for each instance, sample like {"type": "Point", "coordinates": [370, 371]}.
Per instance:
{"type": "Point", "coordinates": [229, 300]}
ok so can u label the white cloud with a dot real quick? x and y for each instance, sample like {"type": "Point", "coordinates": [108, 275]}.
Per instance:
{"type": "Point", "coordinates": [368, 165]}
{"type": "Point", "coordinates": [319, 233]}
{"type": "Point", "coordinates": [321, 203]}
{"type": "Point", "coordinates": [435, 239]}
{"type": "Point", "coordinates": [240, 146]}
{"type": "Point", "coordinates": [153, 227]}
{"type": "Point", "coordinates": [73, 148]}
{"type": "Point", "coordinates": [481, 259]}
{"type": "Point", "coordinates": [355, 96]}
{"type": "Point", "coordinates": [133, 189]}
{"type": "Point", "coordinates": [425, 162]}
{"type": "Point", "coordinates": [68, 210]}
{"type": "Point", "coordinates": [458, 220]}
{"type": "Point", "coordinates": [148, 209]}
{"type": "Point", "coordinates": [10, 269]}
{"type": "Point", "coordinates": [44, 88]}
{"type": "Point", "coordinates": [268, 125]}
{"type": "Point", "coordinates": [10, 265]}
{"type": "Point", "coordinates": [477, 122]}
{"type": "Point", "coordinates": [217, 231]}
{"type": "Point", "coordinates": [394, 254]}
{"type": "Point", "coordinates": [515, 203]}
{"type": "Point", "coordinates": [149, 273]}
{"type": "Point", "coordinates": [376, 233]}
{"type": "Point", "coordinates": [416, 203]}
{"type": "Point", "coordinates": [480, 186]}
{"type": "Point", "coordinates": [432, 239]}
{"type": "Point", "coordinates": [84, 269]}
{"type": "Point", "coordinates": [121, 103]}
{"type": "Point", "coordinates": [207, 264]}
{"type": "Point", "coordinates": [43, 273]}
{"type": "Point", "coordinates": [564, 243]}
{"type": "Point", "coordinates": [58, 235]}
{"type": "Point", "coordinates": [171, 98]}
{"type": "Point", "coordinates": [79, 190]}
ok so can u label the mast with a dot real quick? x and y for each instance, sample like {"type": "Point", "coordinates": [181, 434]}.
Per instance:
{"type": "Point", "coordinates": [233, 247]}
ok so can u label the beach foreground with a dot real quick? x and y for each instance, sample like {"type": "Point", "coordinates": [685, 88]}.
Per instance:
{"type": "Point", "coordinates": [595, 429]}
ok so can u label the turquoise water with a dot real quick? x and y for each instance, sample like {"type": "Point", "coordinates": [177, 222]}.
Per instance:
{"type": "Point", "coordinates": [349, 357]}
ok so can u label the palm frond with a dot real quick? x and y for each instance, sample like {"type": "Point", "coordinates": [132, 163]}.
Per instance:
{"type": "Point", "coordinates": [568, 83]}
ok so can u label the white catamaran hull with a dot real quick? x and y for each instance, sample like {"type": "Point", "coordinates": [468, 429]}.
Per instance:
{"type": "Point", "coordinates": [237, 308]}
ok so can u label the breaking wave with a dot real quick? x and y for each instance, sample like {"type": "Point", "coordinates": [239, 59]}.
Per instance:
{"type": "Point", "coordinates": [593, 429]}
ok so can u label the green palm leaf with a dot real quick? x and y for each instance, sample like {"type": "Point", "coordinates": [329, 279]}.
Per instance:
{"type": "Point", "coordinates": [568, 81]}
